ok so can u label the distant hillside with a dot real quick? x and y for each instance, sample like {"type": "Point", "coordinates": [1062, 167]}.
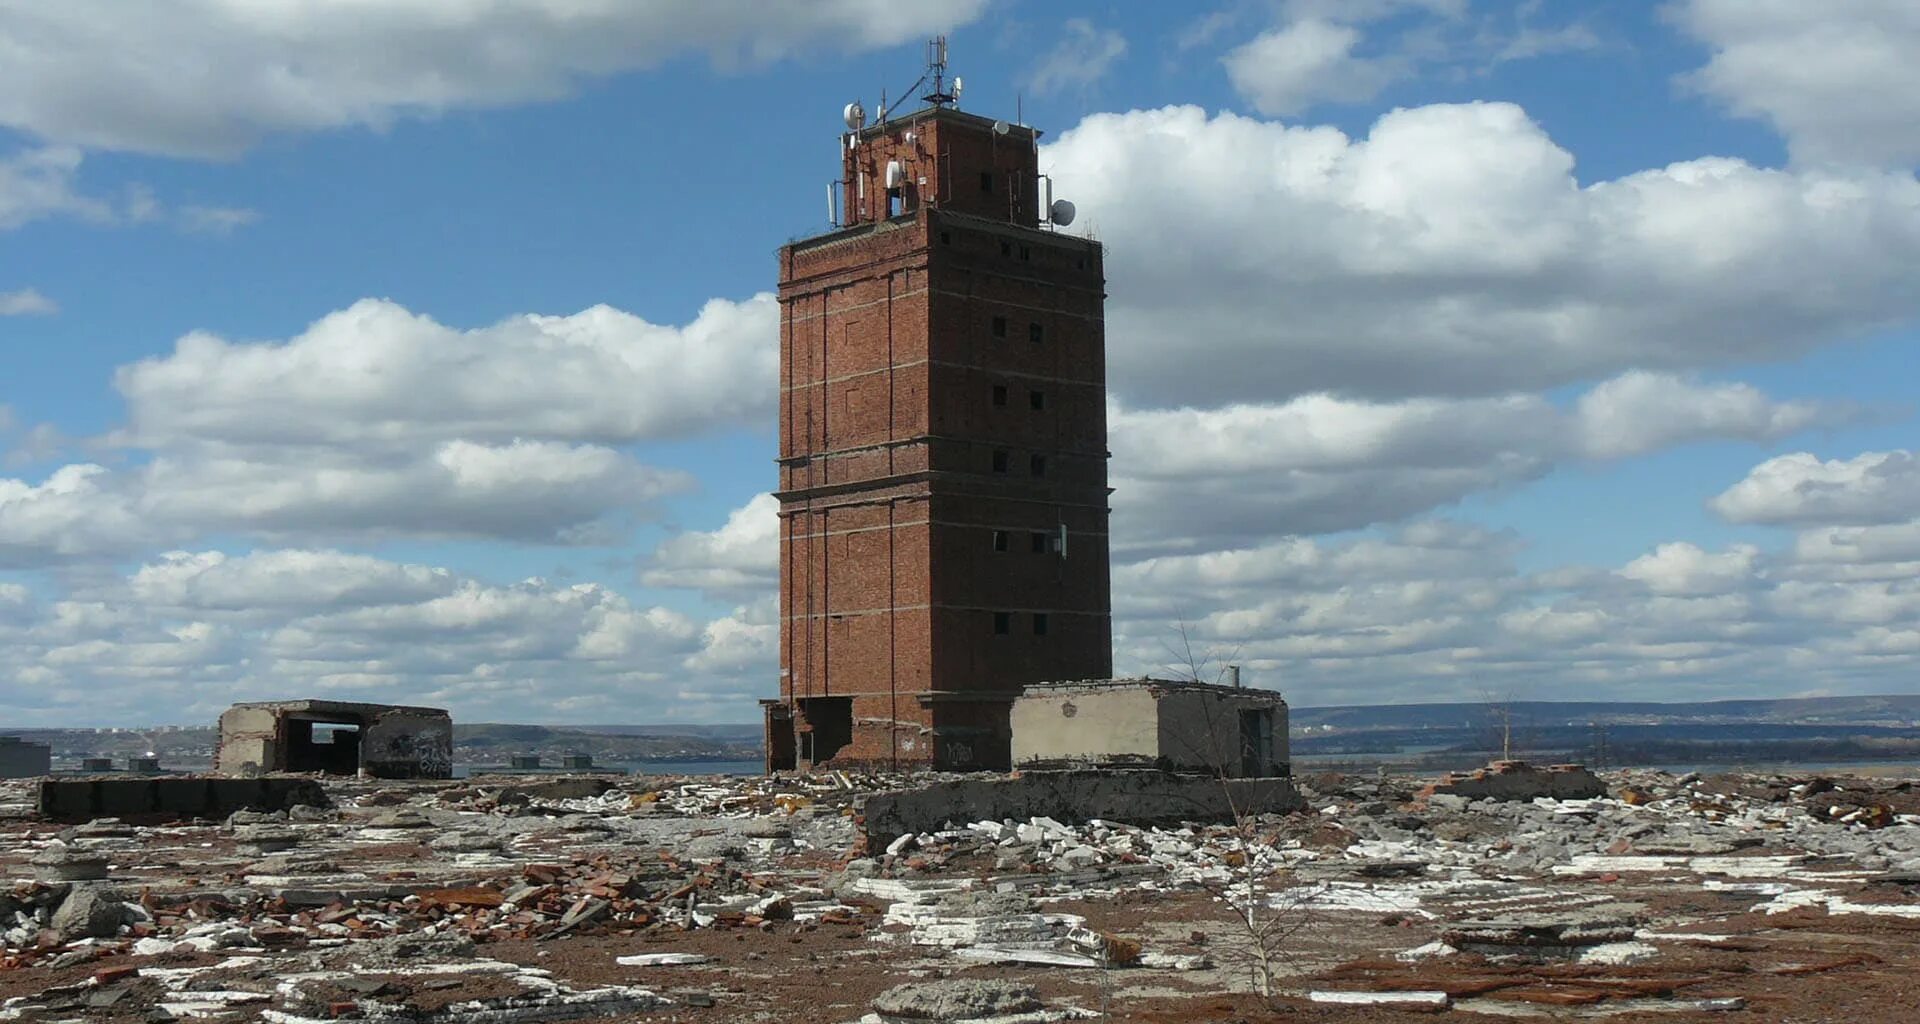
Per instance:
{"type": "Point", "coordinates": [1887, 710]}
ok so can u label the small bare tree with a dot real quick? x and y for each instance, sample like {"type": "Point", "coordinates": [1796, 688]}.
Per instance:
{"type": "Point", "coordinates": [1500, 711]}
{"type": "Point", "coordinates": [1270, 908]}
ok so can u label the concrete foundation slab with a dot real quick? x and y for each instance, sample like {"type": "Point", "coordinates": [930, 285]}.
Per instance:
{"type": "Point", "coordinates": [1135, 797]}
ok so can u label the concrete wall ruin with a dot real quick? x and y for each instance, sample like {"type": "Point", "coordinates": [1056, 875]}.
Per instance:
{"type": "Point", "coordinates": [1197, 727]}
{"type": "Point", "coordinates": [182, 796]}
{"type": "Point", "coordinates": [1144, 798]}
{"type": "Point", "coordinates": [20, 759]}
{"type": "Point", "coordinates": [336, 738]}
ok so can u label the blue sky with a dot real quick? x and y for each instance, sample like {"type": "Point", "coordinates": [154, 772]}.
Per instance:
{"type": "Point", "coordinates": [425, 354]}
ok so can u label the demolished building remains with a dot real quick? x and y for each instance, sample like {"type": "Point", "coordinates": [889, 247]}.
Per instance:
{"type": "Point", "coordinates": [383, 741]}
{"type": "Point", "coordinates": [1226, 731]}
{"type": "Point", "coordinates": [20, 759]}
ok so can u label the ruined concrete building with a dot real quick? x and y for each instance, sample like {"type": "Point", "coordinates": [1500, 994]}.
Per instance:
{"type": "Point", "coordinates": [336, 738]}
{"type": "Point", "coordinates": [1159, 723]}
{"type": "Point", "coordinates": [20, 759]}
{"type": "Point", "coordinates": [943, 451]}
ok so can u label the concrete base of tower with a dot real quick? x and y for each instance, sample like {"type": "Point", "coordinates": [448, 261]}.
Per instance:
{"type": "Point", "coordinates": [886, 732]}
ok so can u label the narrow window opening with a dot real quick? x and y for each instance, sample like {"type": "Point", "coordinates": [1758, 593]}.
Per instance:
{"type": "Point", "coordinates": [999, 394]}
{"type": "Point", "coordinates": [986, 181]}
{"type": "Point", "coordinates": [1038, 464]}
{"type": "Point", "coordinates": [1002, 623]}
{"type": "Point", "coordinates": [999, 540]}
{"type": "Point", "coordinates": [1000, 460]}
{"type": "Point", "coordinates": [1039, 623]}
{"type": "Point", "coordinates": [1036, 333]}
{"type": "Point", "coordinates": [946, 238]}
{"type": "Point", "coordinates": [1006, 248]}
{"type": "Point", "coordinates": [1039, 541]}
{"type": "Point", "coordinates": [1026, 253]}
{"type": "Point", "coordinates": [1037, 399]}
{"type": "Point", "coordinates": [999, 326]}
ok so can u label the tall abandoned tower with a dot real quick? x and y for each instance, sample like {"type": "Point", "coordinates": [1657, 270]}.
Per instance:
{"type": "Point", "coordinates": [943, 450]}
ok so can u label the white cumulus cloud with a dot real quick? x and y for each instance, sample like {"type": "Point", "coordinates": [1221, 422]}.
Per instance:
{"type": "Point", "coordinates": [209, 77]}
{"type": "Point", "coordinates": [1838, 81]}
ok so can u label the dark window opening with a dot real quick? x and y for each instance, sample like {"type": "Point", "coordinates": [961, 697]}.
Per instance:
{"type": "Point", "coordinates": [1080, 263]}
{"type": "Point", "coordinates": [332, 748]}
{"type": "Point", "coordinates": [1256, 742]}
{"type": "Point", "coordinates": [1000, 459]}
{"type": "Point", "coordinates": [1002, 623]}
{"type": "Point", "coordinates": [1039, 541]}
{"type": "Point", "coordinates": [999, 540]}
{"type": "Point", "coordinates": [1026, 253]}
{"type": "Point", "coordinates": [999, 394]}
{"type": "Point", "coordinates": [999, 326]}
{"type": "Point", "coordinates": [1036, 333]}
{"type": "Point", "coordinates": [1038, 465]}
{"type": "Point", "coordinates": [945, 238]}
{"type": "Point", "coordinates": [1039, 623]}
{"type": "Point", "coordinates": [1037, 399]}
{"type": "Point", "coordinates": [826, 726]}
{"type": "Point", "coordinates": [1006, 248]}
{"type": "Point", "coordinates": [986, 181]}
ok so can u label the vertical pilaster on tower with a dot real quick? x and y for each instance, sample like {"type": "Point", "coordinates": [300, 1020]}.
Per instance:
{"type": "Point", "coordinates": [943, 462]}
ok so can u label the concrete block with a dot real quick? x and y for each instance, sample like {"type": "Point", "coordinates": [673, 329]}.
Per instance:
{"type": "Point", "coordinates": [1142, 798]}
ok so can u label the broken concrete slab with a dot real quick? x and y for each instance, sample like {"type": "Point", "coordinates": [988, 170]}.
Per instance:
{"type": "Point", "coordinates": [1143, 797]}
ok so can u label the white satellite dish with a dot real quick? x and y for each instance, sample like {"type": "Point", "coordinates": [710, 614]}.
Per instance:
{"type": "Point", "coordinates": [856, 116]}
{"type": "Point", "coordinates": [1062, 212]}
{"type": "Point", "coordinates": [1001, 127]}
{"type": "Point", "coordinates": [896, 174]}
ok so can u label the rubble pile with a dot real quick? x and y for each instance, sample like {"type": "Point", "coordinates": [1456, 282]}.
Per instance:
{"type": "Point", "coordinates": [438, 901]}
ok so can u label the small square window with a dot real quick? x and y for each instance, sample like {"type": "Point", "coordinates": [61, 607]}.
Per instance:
{"type": "Point", "coordinates": [999, 394]}
{"type": "Point", "coordinates": [1036, 333]}
{"type": "Point", "coordinates": [1039, 541]}
{"type": "Point", "coordinates": [1039, 623]}
{"type": "Point", "coordinates": [999, 540]}
{"type": "Point", "coordinates": [1000, 461]}
{"type": "Point", "coordinates": [986, 181]}
{"type": "Point", "coordinates": [1002, 623]}
{"type": "Point", "coordinates": [1038, 465]}
{"type": "Point", "coordinates": [999, 326]}
{"type": "Point", "coordinates": [1037, 399]}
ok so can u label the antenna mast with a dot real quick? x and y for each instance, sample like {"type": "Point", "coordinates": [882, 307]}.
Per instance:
{"type": "Point", "coordinates": [937, 70]}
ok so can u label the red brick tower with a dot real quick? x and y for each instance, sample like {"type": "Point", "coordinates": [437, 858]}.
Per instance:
{"type": "Point", "coordinates": [943, 453]}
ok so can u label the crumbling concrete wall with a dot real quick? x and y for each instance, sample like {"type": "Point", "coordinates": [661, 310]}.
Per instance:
{"type": "Point", "coordinates": [22, 760]}
{"type": "Point", "coordinates": [183, 796]}
{"type": "Point", "coordinates": [1518, 780]}
{"type": "Point", "coordinates": [392, 741]}
{"type": "Point", "coordinates": [1201, 729]}
{"type": "Point", "coordinates": [408, 743]}
{"type": "Point", "coordinates": [1142, 797]}
{"type": "Point", "coordinates": [1148, 722]}
{"type": "Point", "coordinates": [249, 740]}
{"type": "Point", "coordinates": [1086, 725]}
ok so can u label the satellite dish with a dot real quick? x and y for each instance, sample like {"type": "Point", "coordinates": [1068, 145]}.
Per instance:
{"type": "Point", "coordinates": [856, 116]}
{"type": "Point", "coordinates": [910, 137]}
{"type": "Point", "coordinates": [1062, 212]}
{"type": "Point", "coordinates": [1001, 127]}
